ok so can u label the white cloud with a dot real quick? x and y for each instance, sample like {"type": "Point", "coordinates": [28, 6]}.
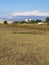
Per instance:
{"type": "Point", "coordinates": [33, 13]}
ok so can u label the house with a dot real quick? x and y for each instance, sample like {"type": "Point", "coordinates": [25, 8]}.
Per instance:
{"type": "Point", "coordinates": [10, 21]}
{"type": "Point", "coordinates": [1, 21]}
{"type": "Point", "coordinates": [41, 23]}
{"type": "Point", "coordinates": [28, 20]}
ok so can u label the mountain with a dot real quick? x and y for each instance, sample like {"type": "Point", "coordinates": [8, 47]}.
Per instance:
{"type": "Point", "coordinates": [21, 18]}
{"type": "Point", "coordinates": [28, 17]}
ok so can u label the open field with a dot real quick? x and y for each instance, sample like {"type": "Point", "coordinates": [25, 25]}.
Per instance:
{"type": "Point", "coordinates": [24, 45]}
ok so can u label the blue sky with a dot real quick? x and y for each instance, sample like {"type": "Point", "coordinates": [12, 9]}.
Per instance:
{"type": "Point", "coordinates": [10, 7]}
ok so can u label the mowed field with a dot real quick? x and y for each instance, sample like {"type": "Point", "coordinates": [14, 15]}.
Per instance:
{"type": "Point", "coordinates": [24, 45]}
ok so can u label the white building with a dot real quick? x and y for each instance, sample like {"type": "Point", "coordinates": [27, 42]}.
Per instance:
{"type": "Point", "coordinates": [10, 21]}
{"type": "Point", "coordinates": [1, 21]}
{"type": "Point", "coordinates": [28, 20]}
{"type": "Point", "coordinates": [41, 23]}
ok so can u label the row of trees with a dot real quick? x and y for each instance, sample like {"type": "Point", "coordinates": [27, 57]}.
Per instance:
{"type": "Point", "coordinates": [32, 21]}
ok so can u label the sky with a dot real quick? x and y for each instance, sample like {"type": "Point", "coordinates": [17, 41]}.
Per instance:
{"type": "Point", "coordinates": [10, 8]}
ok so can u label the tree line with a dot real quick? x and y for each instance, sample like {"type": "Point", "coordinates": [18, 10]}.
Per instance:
{"type": "Point", "coordinates": [32, 21]}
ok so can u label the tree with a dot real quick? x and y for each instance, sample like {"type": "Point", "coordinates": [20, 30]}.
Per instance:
{"type": "Point", "coordinates": [5, 22]}
{"type": "Point", "coordinates": [15, 22]}
{"type": "Point", "coordinates": [23, 22]}
{"type": "Point", "coordinates": [32, 21]}
{"type": "Point", "coordinates": [38, 20]}
{"type": "Point", "coordinates": [47, 19]}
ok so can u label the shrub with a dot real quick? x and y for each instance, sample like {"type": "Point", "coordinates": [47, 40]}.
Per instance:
{"type": "Point", "coordinates": [5, 22]}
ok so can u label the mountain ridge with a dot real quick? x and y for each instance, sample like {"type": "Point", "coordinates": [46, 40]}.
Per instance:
{"type": "Point", "coordinates": [21, 18]}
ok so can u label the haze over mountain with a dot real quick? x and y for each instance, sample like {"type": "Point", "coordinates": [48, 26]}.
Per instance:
{"type": "Point", "coordinates": [22, 18]}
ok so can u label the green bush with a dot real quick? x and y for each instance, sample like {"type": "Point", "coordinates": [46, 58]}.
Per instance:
{"type": "Point", "coordinates": [5, 22]}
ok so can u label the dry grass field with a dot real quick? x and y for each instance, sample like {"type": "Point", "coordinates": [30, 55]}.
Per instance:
{"type": "Point", "coordinates": [24, 45]}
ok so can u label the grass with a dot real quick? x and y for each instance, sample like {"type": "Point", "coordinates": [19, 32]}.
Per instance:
{"type": "Point", "coordinates": [24, 46]}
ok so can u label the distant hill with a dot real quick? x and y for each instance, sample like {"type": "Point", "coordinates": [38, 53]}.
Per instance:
{"type": "Point", "coordinates": [20, 18]}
